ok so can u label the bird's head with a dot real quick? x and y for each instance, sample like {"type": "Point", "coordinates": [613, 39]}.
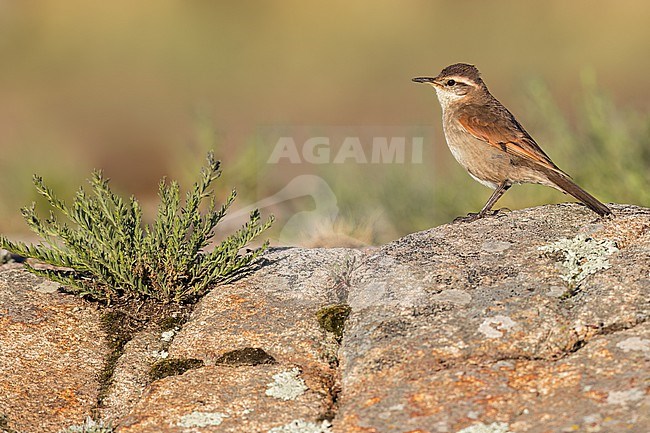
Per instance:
{"type": "Point", "coordinates": [457, 82]}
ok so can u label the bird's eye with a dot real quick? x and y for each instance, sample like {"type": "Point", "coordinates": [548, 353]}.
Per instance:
{"type": "Point", "coordinates": [451, 82]}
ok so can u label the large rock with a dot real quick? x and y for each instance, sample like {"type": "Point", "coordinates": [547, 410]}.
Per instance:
{"type": "Point", "coordinates": [250, 335]}
{"type": "Point", "coordinates": [532, 321]}
{"type": "Point", "coordinates": [473, 325]}
{"type": "Point", "coordinates": [51, 352]}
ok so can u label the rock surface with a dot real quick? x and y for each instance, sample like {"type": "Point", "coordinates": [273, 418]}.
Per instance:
{"type": "Point", "coordinates": [462, 325]}
{"type": "Point", "coordinates": [274, 310]}
{"type": "Point", "coordinates": [534, 321]}
{"type": "Point", "coordinates": [51, 352]}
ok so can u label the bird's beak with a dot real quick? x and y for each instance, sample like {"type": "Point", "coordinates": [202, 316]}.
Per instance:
{"type": "Point", "coordinates": [426, 80]}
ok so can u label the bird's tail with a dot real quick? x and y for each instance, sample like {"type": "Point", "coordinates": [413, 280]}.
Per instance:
{"type": "Point", "coordinates": [564, 183]}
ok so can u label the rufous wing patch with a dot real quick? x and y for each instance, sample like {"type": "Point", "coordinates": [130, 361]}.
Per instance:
{"type": "Point", "coordinates": [503, 135]}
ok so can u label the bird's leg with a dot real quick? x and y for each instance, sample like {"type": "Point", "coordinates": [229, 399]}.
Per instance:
{"type": "Point", "coordinates": [496, 195]}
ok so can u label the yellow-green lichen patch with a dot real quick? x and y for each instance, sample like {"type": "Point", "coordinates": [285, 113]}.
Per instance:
{"type": "Point", "coordinates": [332, 318]}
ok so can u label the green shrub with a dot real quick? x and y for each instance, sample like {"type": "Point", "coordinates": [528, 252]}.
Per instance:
{"type": "Point", "coordinates": [107, 252]}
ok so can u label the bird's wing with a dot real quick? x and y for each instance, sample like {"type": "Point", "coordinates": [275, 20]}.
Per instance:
{"type": "Point", "coordinates": [501, 130]}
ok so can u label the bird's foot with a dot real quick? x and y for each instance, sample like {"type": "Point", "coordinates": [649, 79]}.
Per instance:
{"type": "Point", "coordinates": [475, 216]}
{"type": "Point", "coordinates": [501, 212]}
{"type": "Point", "coordinates": [469, 218]}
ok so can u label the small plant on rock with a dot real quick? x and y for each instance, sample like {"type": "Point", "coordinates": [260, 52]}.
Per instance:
{"type": "Point", "coordinates": [107, 252]}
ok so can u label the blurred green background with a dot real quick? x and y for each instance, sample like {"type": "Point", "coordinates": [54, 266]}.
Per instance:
{"type": "Point", "coordinates": [143, 89]}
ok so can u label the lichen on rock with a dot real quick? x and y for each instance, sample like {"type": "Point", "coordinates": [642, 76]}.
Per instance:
{"type": "Point", "coordinates": [495, 427]}
{"type": "Point", "coordinates": [287, 385]}
{"type": "Point", "coordinates": [332, 318]}
{"type": "Point", "coordinates": [89, 426]}
{"type": "Point", "coordinates": [301, 426]}
{"type": "Point", "coordinates": [201, 419]}
{"type": "Point", "coordinates": [581, 256]}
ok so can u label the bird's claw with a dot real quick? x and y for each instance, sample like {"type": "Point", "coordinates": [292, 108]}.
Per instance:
{"type": "Point", "coordinates": [475, 216]}
{"type": "Point", "coordinates": [469, 218]}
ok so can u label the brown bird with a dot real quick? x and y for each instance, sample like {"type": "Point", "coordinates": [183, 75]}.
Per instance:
{"type": "Point", "coordinates": [491, 144]}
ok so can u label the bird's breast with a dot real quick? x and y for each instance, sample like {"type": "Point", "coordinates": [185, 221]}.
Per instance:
{"type": "Point", "coordinates": [485, 163]}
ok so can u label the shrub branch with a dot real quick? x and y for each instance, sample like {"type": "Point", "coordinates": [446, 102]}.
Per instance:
{"type": "Point", "coordinates": [105, 251]}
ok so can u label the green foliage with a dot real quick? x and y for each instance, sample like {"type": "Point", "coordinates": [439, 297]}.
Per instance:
{"type": "Point", "coordinates": [108, 252]}
{"type": "Point", "coordinates": [606, 146]}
